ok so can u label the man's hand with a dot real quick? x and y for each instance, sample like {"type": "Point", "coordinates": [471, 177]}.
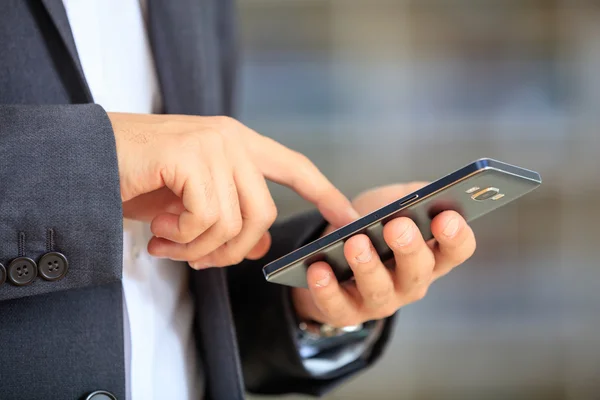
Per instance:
{"type": "Point", "coordinates": [378, 292]}
{"type": "Point", "coordinates": [200, 181]}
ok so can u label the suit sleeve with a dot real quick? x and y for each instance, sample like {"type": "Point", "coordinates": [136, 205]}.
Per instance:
{"type": "Point", "coordinates": [59, 173]}
{"type": "Point", "coordinates": [266, 325]}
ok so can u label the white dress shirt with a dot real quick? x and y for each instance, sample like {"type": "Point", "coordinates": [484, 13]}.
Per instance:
{"type": "Point", "coordinates": [116, 58]}
{"type": "Point", "coordinates": [161, 357]}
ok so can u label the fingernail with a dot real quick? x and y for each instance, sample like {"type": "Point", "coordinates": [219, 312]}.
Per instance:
{"type": "Point", "coordinates": [406, 235]}
{"type": "Point", "coordinates": [365, 256]}
{"type": "Point", "coordinates": [451, 227]}
{"type": "Point", "coordinates": [324, 280]}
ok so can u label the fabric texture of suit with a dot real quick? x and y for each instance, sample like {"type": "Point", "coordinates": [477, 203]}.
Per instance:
{"type": "Point", "coordinates": [64, 339]}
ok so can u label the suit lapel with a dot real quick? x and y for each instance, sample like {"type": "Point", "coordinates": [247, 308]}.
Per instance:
{"type": "Point", "coordinates": [188, 39]}
{"type": "Point", "coordinates": [183, 36]}
{"type": "Point", "coordinates": [58, 15]}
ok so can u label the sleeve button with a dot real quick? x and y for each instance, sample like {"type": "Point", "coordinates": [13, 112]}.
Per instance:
{"type": "Point", "coordinates": [22, 271]}
{"type": "Point", "coordinates": [101, 395]}
{"type": "Point", "coordinates": [53, 266]}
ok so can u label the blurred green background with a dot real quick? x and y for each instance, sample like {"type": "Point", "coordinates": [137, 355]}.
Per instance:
{"type": "Point", "coordinates": [384, 91]}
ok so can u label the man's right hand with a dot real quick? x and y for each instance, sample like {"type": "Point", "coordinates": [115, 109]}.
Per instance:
{"type": "Point", "coordinates": [200, 182]}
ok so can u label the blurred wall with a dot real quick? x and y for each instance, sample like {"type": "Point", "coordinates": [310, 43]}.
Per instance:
{"type": "Point", "coordinates": [383, 91]}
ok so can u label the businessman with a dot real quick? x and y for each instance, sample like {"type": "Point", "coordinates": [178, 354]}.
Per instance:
{"type": "Point", "coordinates": [127, 187]}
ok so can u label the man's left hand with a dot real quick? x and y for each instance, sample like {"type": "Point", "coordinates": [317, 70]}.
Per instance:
{"type": "Point", "coordinates": [378, 292]}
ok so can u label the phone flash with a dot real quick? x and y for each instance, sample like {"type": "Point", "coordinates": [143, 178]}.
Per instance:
{"type": "Point", "coordinates": [473, 189]}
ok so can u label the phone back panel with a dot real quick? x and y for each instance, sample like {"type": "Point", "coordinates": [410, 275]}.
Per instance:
{"type": "Point", "coordinates": [500, 186]}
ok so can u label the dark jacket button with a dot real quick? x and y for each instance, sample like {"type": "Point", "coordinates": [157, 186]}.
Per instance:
{"type": "Point", "coordinates": [101, 395]}
{"type": "Point", "coordinates": [53, 266]}
{"type": "Point", "coordinates": [22, 271]}
{"type": "Point", "coordinates": [2, 274]}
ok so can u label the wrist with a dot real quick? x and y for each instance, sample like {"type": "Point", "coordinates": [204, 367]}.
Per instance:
{"type": "Point", "coordinates": [118, 123]}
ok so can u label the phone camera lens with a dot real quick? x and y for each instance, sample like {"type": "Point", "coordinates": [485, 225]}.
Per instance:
{"type": "Point", "coordinates": [486, 194]}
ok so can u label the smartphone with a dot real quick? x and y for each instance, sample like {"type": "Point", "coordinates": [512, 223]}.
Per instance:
{"type": "Point", "coordinates": [472, 191]}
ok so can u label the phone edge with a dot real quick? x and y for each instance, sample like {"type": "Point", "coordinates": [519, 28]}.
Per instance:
{"type": "Point", "coordinates": [442, 183]}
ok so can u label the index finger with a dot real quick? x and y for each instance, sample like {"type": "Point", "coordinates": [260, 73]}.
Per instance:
{"type": "Point", "coordinates": [294, 170]}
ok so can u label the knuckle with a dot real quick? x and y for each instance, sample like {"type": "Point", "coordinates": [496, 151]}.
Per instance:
{"type": "Point", "coordinates": [232, 197]}
{"type": "Point", "coordinates": [224, 121]}
{"type": "Point", "coordinates": [301, 159]}
{"type": "Point", "coordinates": [270, 213]}
{"type": "Point", "coordinates": [209, 217]}
{"type": "Point", "coordinates": [209, 138]}
{"type": "Point", "coordinates": [190, 252]}
{"type": "Point", "coordinates": [304, 166]}
{"type": "Point", "coordinates": [265, 216]}
{"type": "Point", "coordinates": [207, 191]}
{"type": "Point", "coordinates": [233, 228]}
{"type": "Point", "coordinates": [228, 228]}
{"type": "Point", "coordinates": [227, 126]}
{"type": "Point", "coordinates": [189, 142]}
{"type": "Point", "coordinates": [235, 260]}
{"type": "Point", "coordinates": [232, 258]}
{"type": "Point", "coordinates": [187, 233]}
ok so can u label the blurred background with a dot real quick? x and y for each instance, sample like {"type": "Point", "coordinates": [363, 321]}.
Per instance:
{"type": "Point", "coordinates": [385, 91]}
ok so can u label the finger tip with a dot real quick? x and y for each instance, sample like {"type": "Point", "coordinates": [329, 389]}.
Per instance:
{"type": "Point", "coordinates": [153, 247]}
{"type": "Point", "coordinates": [397, 227]}
{"type": "Point", "coordinates": [165, 225]}
{"type": "Point", "coordinates": [448, 214]}
{"type": "Point", "coordinates": [400, 222]}
{"type": "Point", "coordinates": [157, 246]}
{"type": "Point", "coordinates": [339, 215]}
{"type": "Point", "coordinates": [318, 266]}
{"type": "Point", "coordinates": [447, 225]}
{"type": "Point", "coordinates": [356, 244]}
{"type": "Point", "coordinates": [319, 275]}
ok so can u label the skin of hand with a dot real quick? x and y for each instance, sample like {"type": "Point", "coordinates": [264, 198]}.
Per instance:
{"type": "Point", "coordinates": [378, 292]}
{"type": "Point", "coordinates": [200, 183]}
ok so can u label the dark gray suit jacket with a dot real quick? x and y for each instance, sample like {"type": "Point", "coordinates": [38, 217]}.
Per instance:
{"type": "Point", "coordinates": [64, 339]}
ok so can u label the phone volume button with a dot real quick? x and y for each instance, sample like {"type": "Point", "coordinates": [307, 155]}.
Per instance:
{"type": "Point", "coordinates": [409, 200]}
